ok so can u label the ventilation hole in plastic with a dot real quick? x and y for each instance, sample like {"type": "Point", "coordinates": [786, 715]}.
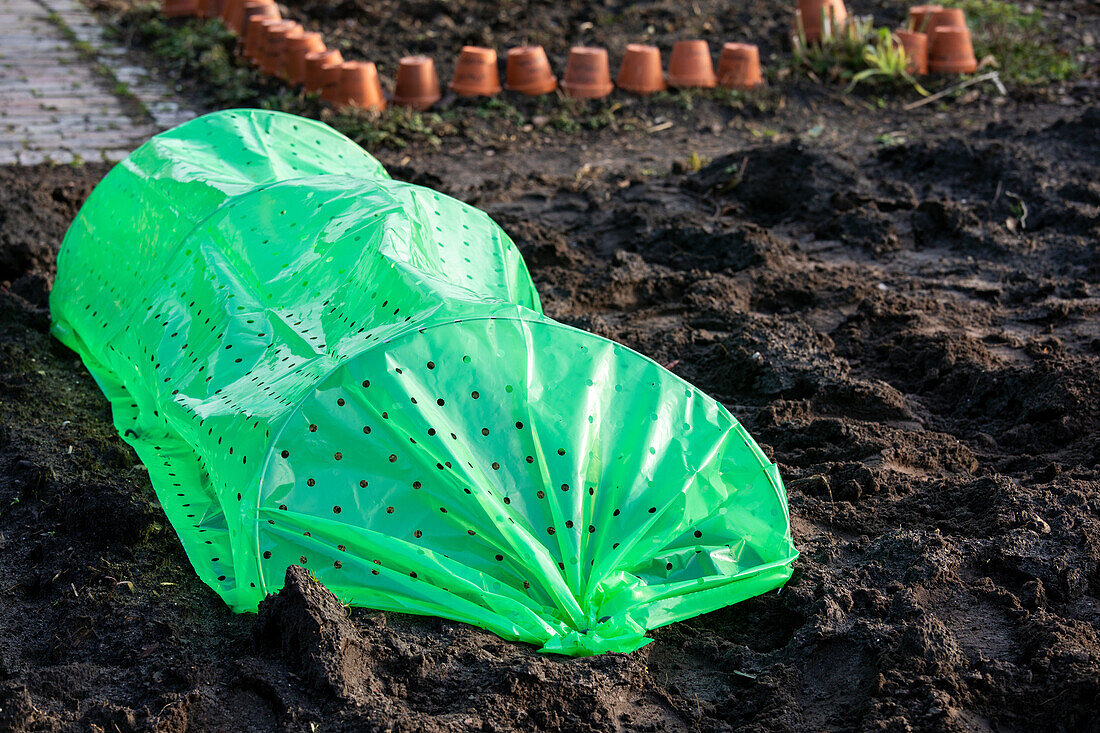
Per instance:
{"type": "Point", "coordinates": [310, 482]}
{"type": "Point", "coordinates": [418, 534]}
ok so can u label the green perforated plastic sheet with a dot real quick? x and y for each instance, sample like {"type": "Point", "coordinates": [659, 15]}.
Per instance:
{"type": "Point", "coordinates": [322, 366]}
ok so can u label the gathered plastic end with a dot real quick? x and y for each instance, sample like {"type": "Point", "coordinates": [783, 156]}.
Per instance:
{"type": "Point", "coordinates": [621, 638]}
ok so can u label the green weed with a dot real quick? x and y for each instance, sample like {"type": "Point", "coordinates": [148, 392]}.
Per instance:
{"type": "Point", "coordinates": [1025, 49]}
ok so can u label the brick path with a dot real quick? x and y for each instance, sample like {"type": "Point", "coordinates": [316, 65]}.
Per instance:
{"type": "Point", "coordinates": [67, 93]}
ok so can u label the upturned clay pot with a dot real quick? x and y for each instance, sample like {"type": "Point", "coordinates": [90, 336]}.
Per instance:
{"type": "Point", "coordinates": [316, 73]}
{"type": "Point", "coordinates": [918, 15]}
{"type": "Point", "coordinates": [951, 51]}
{"type": "Point", "coordinates": [359, 86]}
{"type": "Point", "coordinates": [916, 48]}
{"type": "Point", "coordinates": [258, 10]}
{"type": "Point", "coordinates": [254, 7]}
{"type": "Point", "coordinates": [276, 45]}
{"type": "Point", "coordinates": [951, 17]}
{"type": "Point", "coordinates": [587, 73]}
{"type": "Point", "coordinates": [417, 84]}
{"type": "Point", "coordinates": [739, 66]}
{"type": "Point", "coordinates": [476, 73]}
{"type": "Point", "coordinates": [528, 71]}
{"type": "Point", "coordinates": [690, 65]}
{"type": "Point", "coordinates": [297, 47]}
{"type": "Point", "coordinates": [812, 14]}
{"type": "Point", "coordinates": [255, 40]}
{"type": "Point", "coordinates": [284, 52]}
{"type": "Point", "coordinates": [641, 71]}
{"type": "Point", "coordinates": [180, 8]}
{"type": "Point", "coordinates": [202, 8]}
{"type": "Point", "coordinates": [330, 80]}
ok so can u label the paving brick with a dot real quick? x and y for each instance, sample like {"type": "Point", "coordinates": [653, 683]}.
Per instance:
{"type": "Point", "coordinates": [55, 106]}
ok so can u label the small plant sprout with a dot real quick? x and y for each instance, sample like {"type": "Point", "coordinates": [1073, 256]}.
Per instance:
{"type": "Point", "coordinates": [839, 53]}
{"type": "Point", "coordinates": [886, 57]}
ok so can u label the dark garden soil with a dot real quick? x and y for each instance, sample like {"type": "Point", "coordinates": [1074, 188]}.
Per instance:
{"type": "Point", "coordinates": [909, 326]}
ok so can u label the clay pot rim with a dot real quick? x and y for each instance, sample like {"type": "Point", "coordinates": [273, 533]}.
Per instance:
{"type": "Point", "coordinates": [544, 87]}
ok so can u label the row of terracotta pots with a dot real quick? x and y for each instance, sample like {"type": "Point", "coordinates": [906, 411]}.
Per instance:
{"type": "Point", "coordinates": [937, 40]}
{"type": "Point", "coordinates": [588, 71]}
{"type": "Point", "coordinates": [282, 48]}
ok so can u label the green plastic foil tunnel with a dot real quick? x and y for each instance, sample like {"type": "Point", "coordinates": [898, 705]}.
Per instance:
{"type": "Point", "coordinates": [322, 366]}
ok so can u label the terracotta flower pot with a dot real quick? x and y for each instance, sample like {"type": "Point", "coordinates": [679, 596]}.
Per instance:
{"type": "Point", "coordinates": [739, 66]}
{"type": "Point", "coordinates": [181, 8]}
{"type": "Point", "coordinates": [690, 65]}
{"type": "Point", "coordinates": [587, 73]}
{"type": "Point", "coordinates": [916, 48]}
{"type": "Point", "coordinates": [918, 15]}
{"type": "Point", "coordinates": [202, 8]}
{"type": "Point", "coordinates": [953, 17]}
{"type": "Point", "coordinates": [476, 73]}
{"type": "Point", "coordinates": [284, 52]}
{"type": "Point", "coordinates": [528, 71]}
{"type": "Point", "coordinates": [641, 71]}
{"type": "Point", "coordinates": [951, 51]}
{"type": "Point", "coordinates": [317, 75]}
{"type": "Point", "coordinates": [255, 11]}
{"type": "Point", "coordinates": [295, 57]}
{"type": "Point", "coordinates": [359, 86]}
{"type": "Point", "coordinates": [251, 9]}
{"type": "Point", "coordinates": [417, 84]}
{"type": "Point", "coordinates": [276, 45]}
{"type": "Point", "coordinates": [812, 13]}
{"type": "Point", "coordinates": [255, 40]}
{"type": "Point", "coordinates": [330, 80]}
